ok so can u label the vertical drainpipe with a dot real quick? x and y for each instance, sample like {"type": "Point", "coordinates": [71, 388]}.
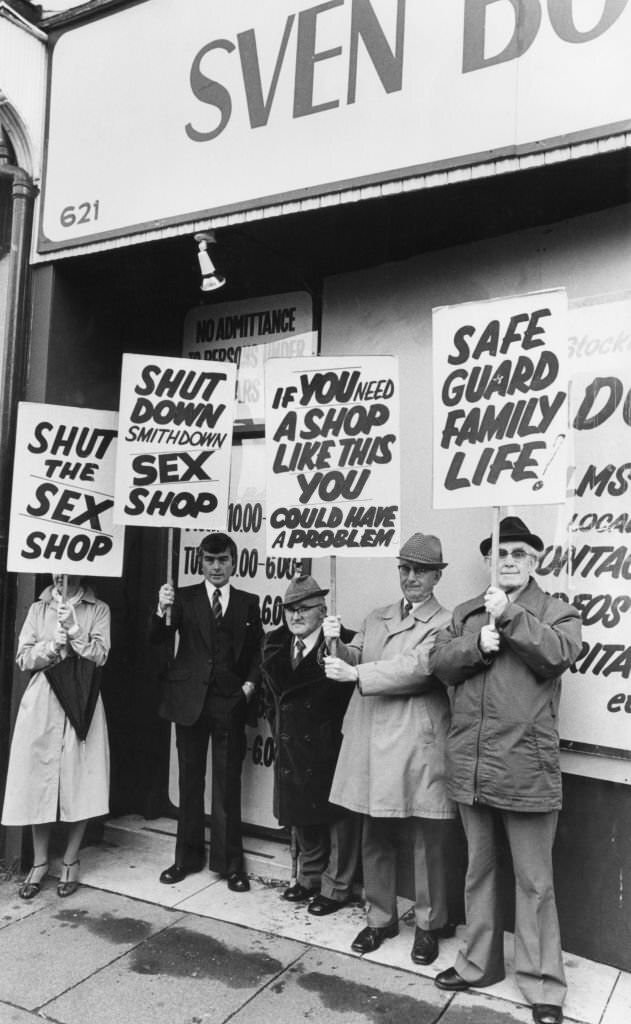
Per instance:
{"type": "Point", "coordinates": [13, 355]}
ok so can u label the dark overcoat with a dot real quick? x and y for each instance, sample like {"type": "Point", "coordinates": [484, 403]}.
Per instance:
{"type": "Point", "coordinates": [305, 711]}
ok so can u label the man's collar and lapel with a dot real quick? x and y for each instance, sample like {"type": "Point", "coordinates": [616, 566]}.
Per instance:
{"type": "Point", "coordinates": [396, 621]}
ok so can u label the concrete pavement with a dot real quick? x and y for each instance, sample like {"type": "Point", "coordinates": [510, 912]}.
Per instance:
{"type": "Point", "coordinates": [115, 953]}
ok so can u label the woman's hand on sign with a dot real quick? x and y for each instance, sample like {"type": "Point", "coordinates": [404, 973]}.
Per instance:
{"type": "Point", "coordinates": [495, 601]}
{"type": "Point", "coordinates": [331, 627]}
{"type": "Point", "coordinates": [66, 616]}
{"type": "Point", "coordinates": [338, 670]}
{"type": "Point", "coordinates": [59, 638]}
{"type": "Point", "coordinates": [166, 596]}
{"type": "Point", "coordinates": [489, 640]}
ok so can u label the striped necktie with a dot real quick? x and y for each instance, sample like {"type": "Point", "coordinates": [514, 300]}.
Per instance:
{"type": "Point", "coordinates": [299, 646]}
{"type": "Point", "coordinates": [216, 605]}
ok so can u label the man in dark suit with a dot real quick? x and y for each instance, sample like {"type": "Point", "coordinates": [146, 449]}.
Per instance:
{"type": "Point", "coordinates": [306, 711]}
{"type": "Point", "coordinates": [209, 684]}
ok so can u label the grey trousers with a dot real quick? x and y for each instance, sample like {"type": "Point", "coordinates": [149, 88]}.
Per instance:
{"type": "Point", "coordinates": [380, 839]}
{"type": "Point", "coordinates": [538, 962]}
{"type": "Point", "coordinates": [328, 856]}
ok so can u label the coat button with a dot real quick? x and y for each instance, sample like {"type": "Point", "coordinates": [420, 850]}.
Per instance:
{"type": "Point", "coordinates": [307, 738]}
{"type": "Point", "coordinates": [284, 736]}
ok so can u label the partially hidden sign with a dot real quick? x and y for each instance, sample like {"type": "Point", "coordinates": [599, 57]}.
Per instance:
{"type": "Point", "coordinates": [63, 492]}
{"type": "Point", "coordinates": [176, 419]}
{"type": "Point", "coordinates": [501, 401]}
{"type": "Point", "coordinates": [332, 452]}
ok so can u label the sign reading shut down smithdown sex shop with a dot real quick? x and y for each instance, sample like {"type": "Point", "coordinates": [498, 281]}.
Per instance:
{"type": "Point", "coordinates": [501, 401]}
{"type": "Point", "coordinates": [175, 437]}
{"type": "Point", "coordinates": [332, 451]}
{"type": "Point", "coordinates": [62, 497]}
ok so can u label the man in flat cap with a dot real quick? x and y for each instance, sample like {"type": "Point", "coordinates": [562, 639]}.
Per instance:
{"type": "Point", "coordinates": [504, 684]}
{"type": "Point", "coordinates": [391, 766]}
{"type": "Point", "coordinates": [305, 711]}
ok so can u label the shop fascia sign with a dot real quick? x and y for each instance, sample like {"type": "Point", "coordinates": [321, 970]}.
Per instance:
{"type": "Point", "coordinates": [234, 106]}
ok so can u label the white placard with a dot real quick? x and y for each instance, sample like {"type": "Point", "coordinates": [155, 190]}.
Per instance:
{"type": "Point", "coordinates": [593, 564]}
{"type": "Point", "coordinates": [173, 466]}
{"type": "Point", "coordinates": [500, 401]}
{"type": "Point", "coordinates": [63, 492]}
{"type": "Point", "coordinates": [248, 333]}
{"type": "Point", "coordinates": [332, 456]}
{"type": "Point", "coordinates": [235, 104]}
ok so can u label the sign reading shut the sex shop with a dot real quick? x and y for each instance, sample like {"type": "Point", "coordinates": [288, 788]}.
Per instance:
{"type": "Point", "coordinates": [332, 453]}
{"type": "Point", "coordinates": [175, 438]}
{"type": "Point", "coordinates": [500, 401]}
{"type": "Point", "coordinates": [62, 496]}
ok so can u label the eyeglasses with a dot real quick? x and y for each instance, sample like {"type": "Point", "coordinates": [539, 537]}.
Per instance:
{"type": "Point", "coordinates": [518, 555]}
{"type": "Point", "coordinates": [300, 609]}
{"type": "Point", "coordinates": [418, 570]}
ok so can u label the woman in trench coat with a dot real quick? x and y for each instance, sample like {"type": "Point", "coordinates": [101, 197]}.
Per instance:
{"type": "Point", "coordinates": [59, 760]}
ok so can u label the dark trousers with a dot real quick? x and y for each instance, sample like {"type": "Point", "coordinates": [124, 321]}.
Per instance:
{"type": "Point", "coordinates": [328, 856]}
{"type": "Point", "coordinates": [223, 722]}
{"type": "Point", "coordinates": [380, 838]}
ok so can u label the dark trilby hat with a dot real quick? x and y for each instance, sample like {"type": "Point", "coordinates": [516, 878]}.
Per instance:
{"type": "Point", "coordinates": [424, 549]}
{"type": "Point", "coordinates": [303, 588]}
{"type": "Point", "coordinates": [513, 528]}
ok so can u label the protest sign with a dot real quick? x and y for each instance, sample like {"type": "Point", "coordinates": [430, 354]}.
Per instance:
{"type": "Point", "coordinates": [332, 455]}
{"type": "Point", "coordinates": [248, 333]}
{"type": "Point", "coordinates": [62, 498]}
{"type": "Point", "coordinates": [175, 437]}
{"type": "Point", "coordinates": [590, 562]}
{"type": "Point", "coordinates": [500, 405]}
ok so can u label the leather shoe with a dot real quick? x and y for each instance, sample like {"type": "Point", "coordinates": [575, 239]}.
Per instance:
{"type": "Point", "coordinates": [298, 893]}
{"type": "Point", "coordinates": [370, 939]}
{"type": "Point", "coordinates": [176, 873]}
{"type": "Point", "coordinates": [322, 905]}
{"type": "Point", "coordinates": [238, 882]}
{"type": "Point", "coordinates": [451, 981]}
{"type": "Point", "coordinates": [547, 1013]}
{"type": "Point", "coordinates": [425, 947]}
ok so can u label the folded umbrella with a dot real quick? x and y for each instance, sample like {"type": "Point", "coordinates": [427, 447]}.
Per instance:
{"type": "Point", "coordinates": [76, 682]}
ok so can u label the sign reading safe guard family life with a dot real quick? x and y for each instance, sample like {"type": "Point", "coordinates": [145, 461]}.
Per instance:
{"type": "Point", "coordinates": [500, 401]}
{"type": "Point", "coordinates": [62, 499]}
{"type": "Point", "coordinates": [173, 465]}
{"type": "Point", "coordinates": [332, 451]}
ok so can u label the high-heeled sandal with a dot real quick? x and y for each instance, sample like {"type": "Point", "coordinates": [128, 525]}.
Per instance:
{"type": "Point", "coordinates": [30, 886]}
{"type": "Point", "coordinates": [66, 886]}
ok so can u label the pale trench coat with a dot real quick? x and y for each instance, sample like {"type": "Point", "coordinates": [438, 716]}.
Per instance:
{"type": "Point", "coordinates": [52, 773]}
{"type": "Point", "coordinates": [392, 759]}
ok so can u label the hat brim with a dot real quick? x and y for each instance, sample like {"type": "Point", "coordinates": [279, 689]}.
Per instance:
{"type": "Point", "coordinates": [308, 600]}
{"type": "Point", "coordinates": [423, 565]}
{"type": "Point", "coordinates": [526, 538]}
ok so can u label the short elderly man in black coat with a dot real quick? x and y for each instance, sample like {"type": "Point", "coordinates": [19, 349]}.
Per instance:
{"type": "Point", "coordinates": [306, 711]}
{"type": "Point", "coordinates": [209, 684]}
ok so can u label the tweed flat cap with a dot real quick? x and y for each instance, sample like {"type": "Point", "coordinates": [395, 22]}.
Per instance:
{"type": "Point", "coordinates": [425, 549]}
{"type": "Point", "coordinates": [514, 528]}
{"type": "Point", "coordinates": [303, 588]}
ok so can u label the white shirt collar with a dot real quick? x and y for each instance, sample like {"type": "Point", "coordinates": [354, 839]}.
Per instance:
{"type": "Point", "coordinates": [309, 641]}
{"type": "Point", "coordinates": [224, 594]}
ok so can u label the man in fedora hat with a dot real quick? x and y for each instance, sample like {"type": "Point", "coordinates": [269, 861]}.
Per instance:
{"type": "Point", "coordinates": [391, 766]}
{"type": "Point", "coordinates": [504, 684]}
{"type": "Point", "coordinates": [305, 711]}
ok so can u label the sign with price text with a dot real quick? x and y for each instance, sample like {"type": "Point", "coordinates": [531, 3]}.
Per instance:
{"type": "Point", "coordinates": [500, 401]}
{"type": "Point", "coordinates": [332, 456]}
